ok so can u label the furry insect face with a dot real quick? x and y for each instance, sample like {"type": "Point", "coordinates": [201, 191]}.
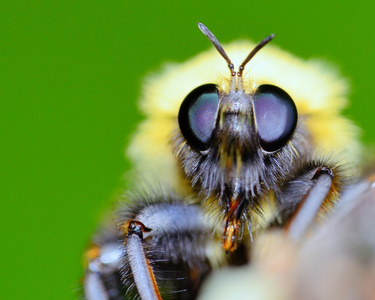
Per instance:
{"type": "Point", "coordinates": [237, 146]}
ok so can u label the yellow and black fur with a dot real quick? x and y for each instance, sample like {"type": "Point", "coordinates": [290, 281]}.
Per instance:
{"type": "Point", "coordinates": [229, 176]}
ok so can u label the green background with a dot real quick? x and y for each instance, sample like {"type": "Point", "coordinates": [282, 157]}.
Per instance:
{"type": "Point", "coordinates": [70, 76]}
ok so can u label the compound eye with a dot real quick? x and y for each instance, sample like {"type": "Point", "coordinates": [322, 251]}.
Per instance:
{"type": "Point", "coordinates": [197, 116]}
{"type": "Point", "coordinates": [275, 116]}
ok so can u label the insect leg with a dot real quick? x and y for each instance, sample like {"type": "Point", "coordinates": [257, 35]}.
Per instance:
{"type": "Point", "coordinates": [140, 265]}
{"type": "Point", "coordinates": [102, 277]}
{"type": "Point", "coordinates": [310, 206]}
{"type": "Point", "coordinates": [303, 197]}
{"type": "Point", "coordinates": [166, 246]}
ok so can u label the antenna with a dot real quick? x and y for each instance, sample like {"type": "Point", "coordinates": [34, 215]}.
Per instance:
{"type": "Point", "coordinates": [253, 52]}
{"type": "Point", "coordinates": [217, 45]}
{"type": "Point", "coordinates": [222, 52]}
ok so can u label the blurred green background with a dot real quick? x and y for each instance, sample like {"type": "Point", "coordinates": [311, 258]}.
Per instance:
{"type": "Point", "coordinates": [70, 76]}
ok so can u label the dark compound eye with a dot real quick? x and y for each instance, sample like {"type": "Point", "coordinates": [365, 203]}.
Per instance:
{"type": "Point", "coordinates": [197, 116]}
{"type": "Point", "coordinates": [275, 116]}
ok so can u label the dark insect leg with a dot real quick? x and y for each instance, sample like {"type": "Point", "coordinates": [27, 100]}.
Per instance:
{"type": "Point", "coordinates": [102, 278]}
{"type": "Point", "coordinates": [140, 265]}
{"type": "Point", "coordinates": [303, 197]}
{"type": "Point", "coordinates": [165, 249]}
{"type": "Point", "coordinates": [309, 207]}
{"type": "Point", "coordinates": [159, 250]}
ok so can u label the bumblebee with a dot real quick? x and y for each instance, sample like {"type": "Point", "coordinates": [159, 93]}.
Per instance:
{"type": "Point", "coordinates": [225, 154]}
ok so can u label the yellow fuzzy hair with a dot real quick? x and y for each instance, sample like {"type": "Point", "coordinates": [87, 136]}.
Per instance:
{"type": "Point", "coordinates": [319, 93]}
